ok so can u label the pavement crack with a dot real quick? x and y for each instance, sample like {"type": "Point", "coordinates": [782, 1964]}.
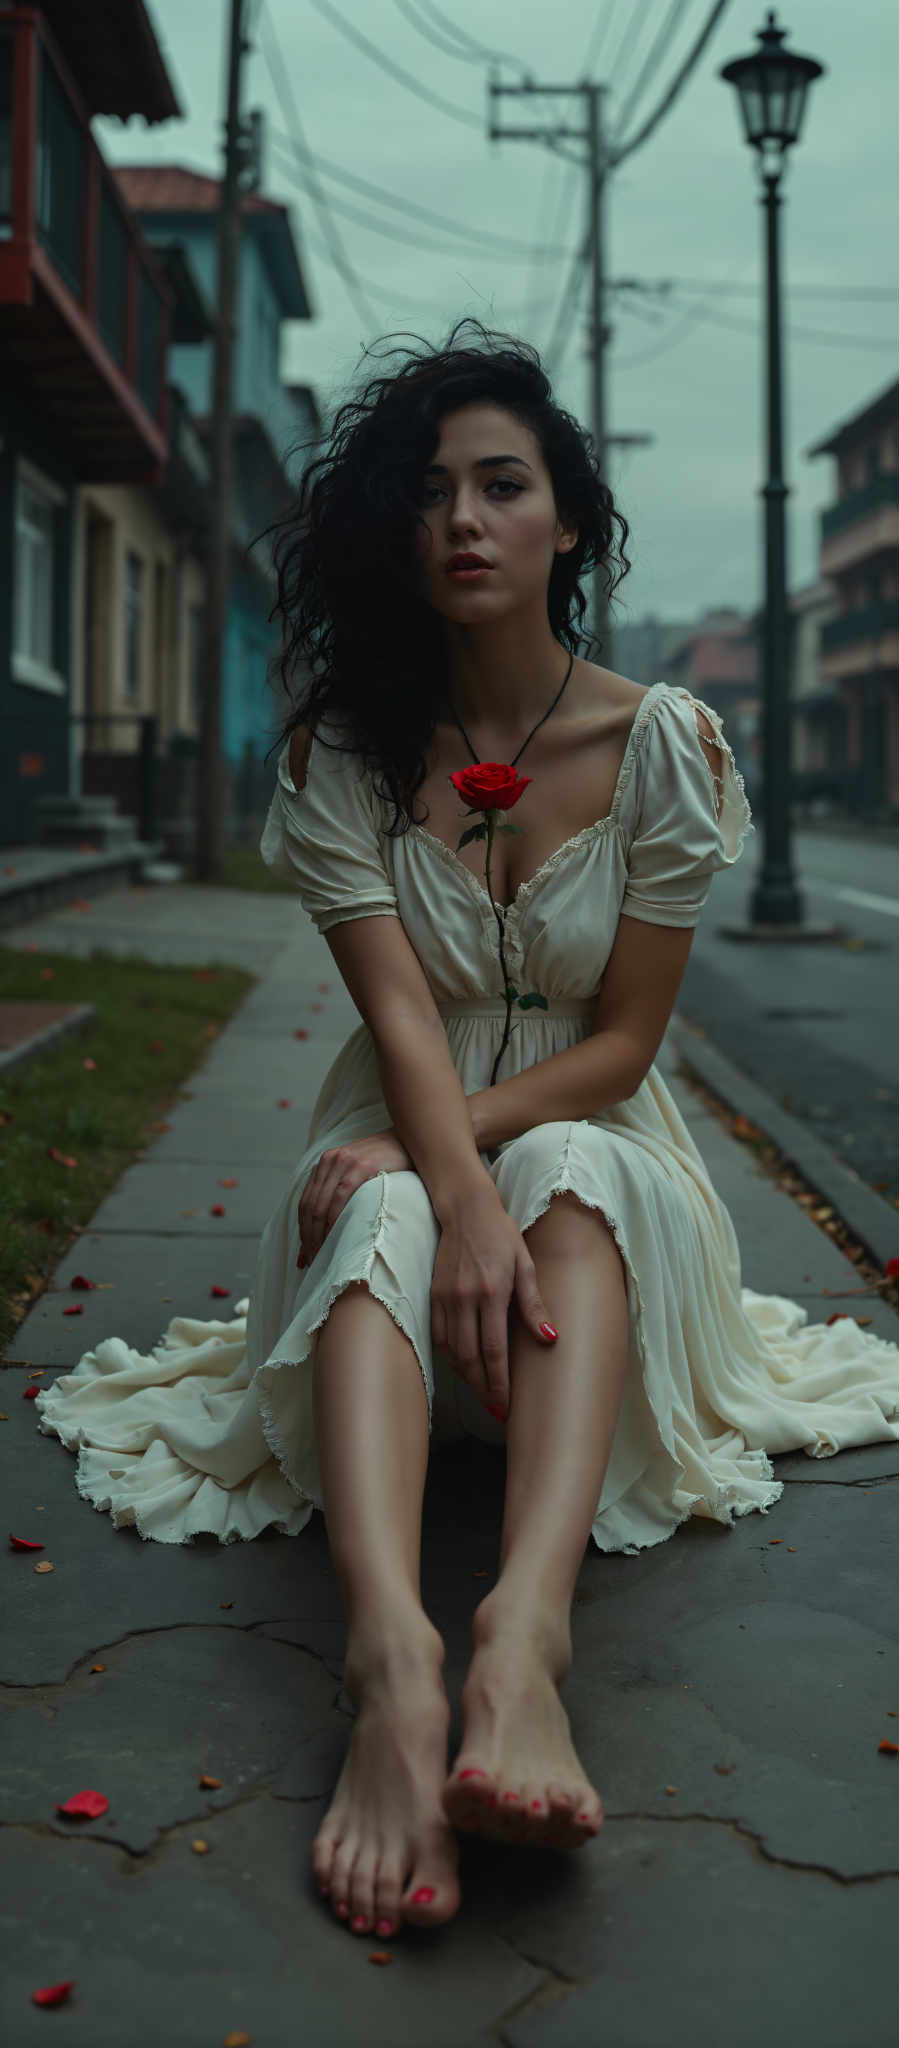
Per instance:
{"type": "Point", "coordinates": [738, 1827]}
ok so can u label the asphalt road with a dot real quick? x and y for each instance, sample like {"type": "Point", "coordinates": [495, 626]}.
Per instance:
{"type": "Point", "coordinates": [815, 1024]}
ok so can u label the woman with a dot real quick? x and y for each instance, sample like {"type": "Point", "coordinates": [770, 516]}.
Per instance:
{"type": "Point", "coordinates": [500, 1223]}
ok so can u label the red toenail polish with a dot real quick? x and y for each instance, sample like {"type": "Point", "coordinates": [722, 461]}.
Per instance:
{"type": "Point", "coordinates": [342, 1909]}
{"type": "Point", "coordinates": [536, 1805]}
{"type": "Point", "coordinates": [384, 1927]}
{"type": "Point", "coordinates": [423, 1896]}
{"type": "Point", "coordinates": [510, 1795]}
{"type": "Point", "coordinates": [360, 1923]}
{"type": "Point", "coordinates": [472, 1774]}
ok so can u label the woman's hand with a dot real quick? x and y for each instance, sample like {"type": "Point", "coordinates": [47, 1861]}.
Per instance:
{"type": "Point", "coordinates": [483, 1262]}
{"type": "Point", "coordinates": [337, 1176]}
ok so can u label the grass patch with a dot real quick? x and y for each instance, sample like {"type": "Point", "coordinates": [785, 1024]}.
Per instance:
{"type": "Point", "coordinates": [152, 1029]}
{"type": "Point", "coordinates": [244, 868]}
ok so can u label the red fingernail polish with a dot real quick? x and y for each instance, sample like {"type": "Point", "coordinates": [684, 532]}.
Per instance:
{"type": "Point", "coordinates": [423, 1896]}
{"type": "Point", "coordinates": [548, 1330]}
{"type": "Point", "coordinates": [500, 1413]}
{"type": "Point", "coordinates": [472, 1774]}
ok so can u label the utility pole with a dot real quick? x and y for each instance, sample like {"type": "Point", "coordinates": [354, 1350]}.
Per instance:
{"type": "Point", "coordinates": [597, 165]}
{"type": "Point", "coordinates": [210, 804]}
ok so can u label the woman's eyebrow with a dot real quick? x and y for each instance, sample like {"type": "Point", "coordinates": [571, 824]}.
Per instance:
{"type": "Point", "coordinates": [483, 462]}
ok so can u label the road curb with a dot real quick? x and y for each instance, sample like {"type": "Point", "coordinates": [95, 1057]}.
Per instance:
{"type": "Point", "coordinates": [873, 1222]}
{"type": "Point", "coordinates": [47, 1038]}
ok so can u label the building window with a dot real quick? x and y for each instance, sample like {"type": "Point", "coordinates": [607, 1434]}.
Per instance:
{"type": "Point", "coordinates": [34, 578]}
{"type": "Point", "coordinates": [133, 607]}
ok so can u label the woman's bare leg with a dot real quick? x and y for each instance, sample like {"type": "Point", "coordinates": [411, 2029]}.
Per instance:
{"type": "Point", "coordinates": [385, 1836]}
{"type": "Point", "coordinates": [564, 1404]}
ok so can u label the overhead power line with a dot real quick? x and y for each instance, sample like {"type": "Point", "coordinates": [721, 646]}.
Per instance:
{"type": "Point", "coordinates": [280, 79]}
{"type": "Point", "coordinates": [548, 252]}
{"type": "Point", "coordinates": [471, 52]}
{"type": "Point", "coordinates": [626, 149]}
{"type": "Point", "coordinates": [655, 54]}
{"type": "Point", "coordinates": [434, 99]}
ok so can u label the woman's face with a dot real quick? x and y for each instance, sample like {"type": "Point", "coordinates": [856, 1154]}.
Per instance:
{"type": "Point", "coordinates": [503, 510]}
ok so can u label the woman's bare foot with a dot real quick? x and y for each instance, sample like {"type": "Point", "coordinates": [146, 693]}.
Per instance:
{"type": "Point", "coordinates": [517, 1776]}
{"type": "Point", "coordinates": [385, 1837]}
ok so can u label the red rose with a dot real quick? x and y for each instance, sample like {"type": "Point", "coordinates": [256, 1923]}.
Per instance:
{"type": "Point", "coordinates": [490, 786]}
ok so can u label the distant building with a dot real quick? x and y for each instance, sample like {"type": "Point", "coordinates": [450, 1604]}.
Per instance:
{"type": "Point", "coordinates": [859, 558]}
{"type": "Point", "coordinates": [85, 319]}
{"type": "Point", "coordinates": [276, 430]}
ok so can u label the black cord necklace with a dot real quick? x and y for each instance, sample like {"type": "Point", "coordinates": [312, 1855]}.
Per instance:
{"type": "Point", "coordinates": [536, 728]}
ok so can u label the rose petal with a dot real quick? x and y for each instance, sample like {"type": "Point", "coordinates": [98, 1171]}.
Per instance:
{"type": "Point", "coordinates": [220, 1290]}
{"type": "Point", "coordinates": [208, 1784]}
{"type": "Point", "coordinates": [227, 1183]}
{"type": "Point", "coordinates": [301, 1034]}
{"type": "Point", "coordinates": [84, 1805]}
{"type": "Point", "coordinates": [31, 1393]}
{"type": "Point", "coordinates": [53, 1994]}
{"type": "Point", "coordinates": [77, 1309]}
{"type": "Point", "coordinates": [284, 1102]}
{"type": "Point", "coordinates": [840, 1317]}
{"type": "Point", "coordinates": [80, 1281]}
{"type": "Point", "coordinates": [22, 1543]}
{"type": "Point", "coordinates": [888, 1748]}
{"type": "Point", "coordinates": [218, 1209]}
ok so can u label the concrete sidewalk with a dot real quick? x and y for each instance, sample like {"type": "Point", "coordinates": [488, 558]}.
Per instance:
{"type": "Point", "coordinates": [733, 1904]}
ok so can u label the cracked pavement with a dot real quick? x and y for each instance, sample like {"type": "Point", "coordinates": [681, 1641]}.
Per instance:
{"type": "Point", "coordinates": [753, 1669]}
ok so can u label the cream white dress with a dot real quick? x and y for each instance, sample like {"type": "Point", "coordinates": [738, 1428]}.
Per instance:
{"type": "Point", "coordinates": [214, 1429]}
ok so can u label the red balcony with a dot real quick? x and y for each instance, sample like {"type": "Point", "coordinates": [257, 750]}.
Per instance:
{"type": "Point", "coordinates": [85, 311]}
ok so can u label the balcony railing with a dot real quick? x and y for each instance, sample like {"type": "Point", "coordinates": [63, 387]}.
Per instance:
{"type": "Point", "coordinates": [882, 489]}
{"type": "Point", "coordinates": [866, 623]}
{"type": "Point", "coordinates": [64, 223]}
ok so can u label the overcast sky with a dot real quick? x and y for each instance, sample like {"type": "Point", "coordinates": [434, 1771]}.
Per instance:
{"type": "Point", "coordinates": [686, 369]}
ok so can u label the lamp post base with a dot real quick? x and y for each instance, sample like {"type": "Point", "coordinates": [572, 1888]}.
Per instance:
{"type": "Point", "coordinates": [814, 931]}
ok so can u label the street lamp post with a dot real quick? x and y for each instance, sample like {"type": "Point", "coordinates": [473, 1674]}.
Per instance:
{"type": "Point", "coordinates": [772, 84]}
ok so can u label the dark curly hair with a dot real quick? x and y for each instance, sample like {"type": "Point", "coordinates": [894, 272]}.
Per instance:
{"type": "Point", "coordinates": [369, 648]}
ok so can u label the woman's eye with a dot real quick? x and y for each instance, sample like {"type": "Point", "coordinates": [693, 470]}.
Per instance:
{"type": "Point", "coordinates": [504, 483]}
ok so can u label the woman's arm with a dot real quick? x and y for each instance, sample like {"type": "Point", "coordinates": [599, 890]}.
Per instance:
{"type": "Point", "coordinates": [421, 1087]}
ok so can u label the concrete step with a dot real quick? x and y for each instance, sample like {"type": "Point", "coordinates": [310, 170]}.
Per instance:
{"type": "Point", "coordinates": [38, 878]}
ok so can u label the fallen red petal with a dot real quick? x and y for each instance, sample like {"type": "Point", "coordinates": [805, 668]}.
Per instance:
{"type": "Point", "coordinates": [31, 1393]}
{"type": "Point", "coordinates": [301, 1034]}
{"type": "Point", "coordinates": [55, 1994]}
{"type": "Point", "coordinates": [218, 1209]}
{"type": "Point", "coordinates": [227, 1183]}
{"type": "Point", "coordinates": [80, 1281]}
{"type": "Point", "coordinates": [284, 1102]}
{"type": "Point", "coordinates": [220, 1290]}
{"type": "Point", "coordinates": [21, 1543]}
{"type": "Point", "coordinates": [77, 1309]}
{"type": "Point", "coordinates": [840, 1317]}
{"type": "Point", "coordinates": [84, 1804]}
{"type": "Point", "coordinates": [890, 1748]}
{"type": "Point", "coordinates": [892, 1267]}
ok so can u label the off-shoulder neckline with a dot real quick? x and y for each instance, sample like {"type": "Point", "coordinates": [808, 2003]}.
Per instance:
{"type": "Point", "coordinates": [525, 890]}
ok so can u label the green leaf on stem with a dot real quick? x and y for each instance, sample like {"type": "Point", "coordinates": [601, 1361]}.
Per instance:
{"type": "Point", "coordinates": [474, 832]}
